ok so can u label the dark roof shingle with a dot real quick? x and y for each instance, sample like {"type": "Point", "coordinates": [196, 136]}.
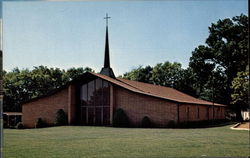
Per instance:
{"type": "Point", "coordinates": [156, 91]}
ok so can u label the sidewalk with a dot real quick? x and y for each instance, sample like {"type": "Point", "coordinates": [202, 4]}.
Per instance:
{"type": "Point", "coordinates": [241, 126]}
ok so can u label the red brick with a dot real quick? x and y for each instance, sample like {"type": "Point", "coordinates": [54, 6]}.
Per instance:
{"type": "Point", "coordinates": [45, 108]}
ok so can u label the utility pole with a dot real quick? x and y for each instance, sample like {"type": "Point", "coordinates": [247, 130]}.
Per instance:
{"type": "Point", "coordinates": [1, 83]}
{"type": "Point", "coordinates": [213, 95]}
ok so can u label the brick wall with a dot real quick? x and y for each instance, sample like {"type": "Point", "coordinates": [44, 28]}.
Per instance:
{"type": "Point", "coordinates": [193, 112]}
{"type": "Point", "coordinates": [137, 106]}
{"type": "Point", "coordinates": [160, 111]}
{"type": "Point", "coordinates": [203, 110]}
{"type": "Point", "coordinates": [219, 113]}
{"type": "Point", "coordinates": [45, 108]}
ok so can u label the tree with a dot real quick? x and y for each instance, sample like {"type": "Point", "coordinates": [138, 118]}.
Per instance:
{"type": "Point", "coordinates": [224, 55]}
{"type": "Point", "coordinates": [167, 74]}
{"type": "Point", "coordinates": [201, 66]}
{"type": "Point", "coordinates": [22, 85]}
{"type": "Point", "coordinates": [15, 89]}
{"type": "Point", "coordinates": [72, 73]}
{"type": "Point", "coordinates": [187, 82]}
{"type": "Point", "coordinates": [240, 86]}
{"type": "Point", "coordinates": [140, 74]}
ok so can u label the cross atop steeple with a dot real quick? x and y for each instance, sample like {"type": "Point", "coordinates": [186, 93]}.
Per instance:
{"type": "Point", "coordinates": [107, 70]}
{"type": "Point", "coordinates": [107, 19]}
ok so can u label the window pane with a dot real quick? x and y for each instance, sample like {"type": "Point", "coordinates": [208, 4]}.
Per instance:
{"type": "Point", "coordinates": [98, 93]}
{"type": "Point", "coordinates": [84, 95]}
{"type": "Point", "coordinates": [91, 89]}
{"type": "Point", "coordinates": [106, 91]}
{"type": "Point", "coordinates": [98, 84]}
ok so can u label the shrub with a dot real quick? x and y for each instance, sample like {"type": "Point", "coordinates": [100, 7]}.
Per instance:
{"type": "Point", "coordinates": [120, 118]}
{"type": "Point", "coordinates": [19, 125]}
{"type": "Point", "coordinates": [171, 124]}
{"type": "Point", "coordinates": [61, 118]}
{"type": "Point", "coordinates": [146, 123]}
{"type": "Point", "coordinates": [39, 123]}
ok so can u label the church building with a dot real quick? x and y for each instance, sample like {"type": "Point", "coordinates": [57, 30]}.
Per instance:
{"type": "Point", "coordinates": [92, 99]}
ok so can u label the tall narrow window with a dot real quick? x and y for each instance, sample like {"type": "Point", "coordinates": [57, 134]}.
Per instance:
{"type": "Point", "coordinates": [106, 95]}
{"type": "Point", "coordinates": [198, 112]}
{"type": "Point", "coordinates": [208, 113]}
{"type": "Point", "coordinates": [84, 95]}
{"type": "Point", "coordinates": [218, 113]}
{"type": "Point", "coordinates": [106, 103]}
{"type": "Point", "coordinates": [91, 90]}
{"type": "Point", "coordinates": [98, 92]}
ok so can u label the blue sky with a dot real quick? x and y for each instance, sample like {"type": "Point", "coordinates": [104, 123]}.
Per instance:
{"type": "Point", "coordinates": [71, 34]}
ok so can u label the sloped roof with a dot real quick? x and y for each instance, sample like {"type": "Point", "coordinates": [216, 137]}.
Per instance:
{"type": "Point", "coordinates": [156, 91]}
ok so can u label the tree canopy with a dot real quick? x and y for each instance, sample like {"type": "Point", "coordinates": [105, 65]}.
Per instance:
{"type": "Point", "coordinates": [240, 86]}
{"type": "Point", "coordinates": [22, 85]}
{"type": "Point", "coordinates": [224, 55]}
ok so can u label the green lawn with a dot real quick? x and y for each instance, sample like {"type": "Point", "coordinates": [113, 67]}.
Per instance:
{"type": "Point", "coordinates": [81, 142]}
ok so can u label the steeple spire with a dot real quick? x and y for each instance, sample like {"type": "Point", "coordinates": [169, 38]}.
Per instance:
{"type": "Point", "coordinates": [107, 70]}
{"type": "Point", "coordinates": [106, 58]}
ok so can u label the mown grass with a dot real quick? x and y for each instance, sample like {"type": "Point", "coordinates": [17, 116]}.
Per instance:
{"type": "Point", "coordinates": [102, 142]}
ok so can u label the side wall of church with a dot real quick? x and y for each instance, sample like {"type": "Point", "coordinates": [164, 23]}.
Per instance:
{"type": "Point", "coordinates": [161, 111]}
{"type": "Point", "coordinates": [45, 108]}
{"type": "Point", "coordinates": [138, 106]}
{"type": "Point", "coordinates": [193, 112]}
{"type": "Point", "coordinates": [196, 112]}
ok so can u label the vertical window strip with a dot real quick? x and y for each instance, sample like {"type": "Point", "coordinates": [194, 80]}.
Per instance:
{"type": "Point", "coordinates": [198, 113]}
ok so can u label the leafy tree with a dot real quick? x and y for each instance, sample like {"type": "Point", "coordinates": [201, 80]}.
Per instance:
{"type": "Point", "coordinates": [22, 85]}
{"type": "Point", "coordinates": [219, 61]}
{"type": "Point", "coordinates": [201, 66]}
{"type": "Point", "coordinates": [140, 74]}
{"type": "Point", "coordinates": [167, 74]}
{"type": "Point", "coordinates": [72, 73]}
{"type": "Point", "coordinates": [228, 40]}
{"type": "Point", "coordinates": [187, 82]}
{"type": "Point", "coordinates": [240, 86]}
{"type": "Point", "coordinates": [45, 79]}
{"type": "Point", "coordinates": [15, 89]}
